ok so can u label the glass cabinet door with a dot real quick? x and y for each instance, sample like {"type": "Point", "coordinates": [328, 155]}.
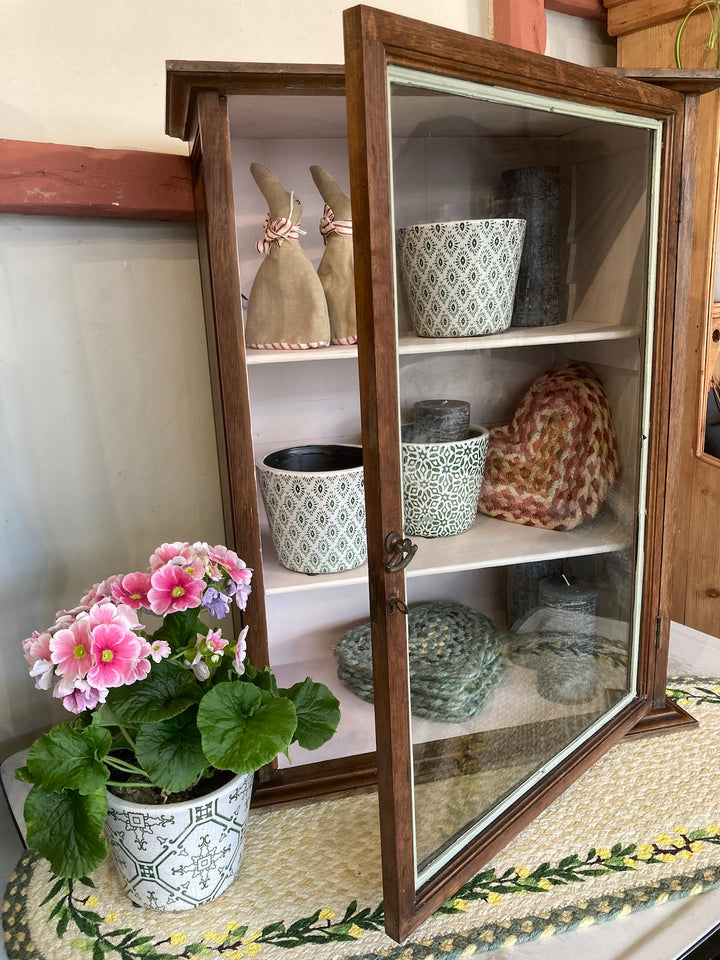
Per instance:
{"type": "Point", "coordinates": [510, 245]}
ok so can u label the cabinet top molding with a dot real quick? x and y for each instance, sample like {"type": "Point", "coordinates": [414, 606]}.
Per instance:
{"type": "Point", "coordinates": [187, 78]}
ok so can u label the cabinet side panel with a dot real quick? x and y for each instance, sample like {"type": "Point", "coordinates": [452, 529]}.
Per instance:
{"type": "Point", "coordinates": [226, 350]}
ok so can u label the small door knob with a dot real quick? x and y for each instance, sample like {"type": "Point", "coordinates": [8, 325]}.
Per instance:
{"type": "Point", "coordinates": [399, 551]}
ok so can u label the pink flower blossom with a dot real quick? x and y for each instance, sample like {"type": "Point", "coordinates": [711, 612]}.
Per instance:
{"type": "Point", "coordinates": [70, 649]}
{"type": "Point", "coordinates": [116, 651]}
{"type": "Point", "coordinates": [37, 647]}
{"type": "Point", "coordinates": [132, 590]}
{"type": "Point", "coordinates": [108, 612]}
{"type": "Point", "coordinates": [169, 551]}
{"type": "Point", "coordinates": [236, 567]}
{"type": "Point", "coordinates": [173, 589]}
{"type": "Point", "coordinates": [240, 651]}
{"type": "Point", "coordinates": [78, 694]}
{"type": "Point", "coordinates": [216, 643]}
{"type": "Point", "coordinates": [159, 649]}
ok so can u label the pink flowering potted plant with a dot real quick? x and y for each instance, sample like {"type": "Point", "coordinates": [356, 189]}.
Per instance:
{"type": "Point", "coordinates": [168, 717]}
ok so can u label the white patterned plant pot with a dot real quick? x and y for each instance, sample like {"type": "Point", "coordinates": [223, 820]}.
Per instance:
{"type": "Point", "coordinates": [441, 483]}
{"type": "Point", "coordinates": [314, 498]}
{"type": "Point", "coordinates": [178, 856]}
{"type": "Point", "coordinates": [460, 276]}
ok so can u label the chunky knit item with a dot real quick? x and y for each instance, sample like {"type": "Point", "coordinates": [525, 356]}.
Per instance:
{"type": "Point", "coordinates": [555, 463]}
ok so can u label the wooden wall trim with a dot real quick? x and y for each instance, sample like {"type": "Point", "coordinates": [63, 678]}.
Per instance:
{"type": "Point", "coordinates": [625, 16]}
{"type": "Point", "coordinates": [53, 179]}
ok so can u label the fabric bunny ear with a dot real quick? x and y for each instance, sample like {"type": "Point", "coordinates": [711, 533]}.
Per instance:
{"type": "Point", "coordinates": [281, 202]}
{"type": "Point", "coordinates": [331, 193]}
{"type": "Point", "coordinates": [336, 267]}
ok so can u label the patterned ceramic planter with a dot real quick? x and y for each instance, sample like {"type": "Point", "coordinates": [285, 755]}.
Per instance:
{"type": "Point", "coordinates": [460, 276]}
{"type": "Point", "coordinates": [314, 497]}
{"type": "Point", "coordinates": [179, 855]}
{"type": "Point", "coordinates": [441, 483]}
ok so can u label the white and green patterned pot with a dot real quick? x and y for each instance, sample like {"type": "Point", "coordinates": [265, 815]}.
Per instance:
{"type": "Point", "coordinates": [178, 856]}
{"type": "Point", "coordinates": [461, 275]}
{"type": "Point", "coordinates": [441, 483]}
{"type": "Point", "coordinates": [314, 498]}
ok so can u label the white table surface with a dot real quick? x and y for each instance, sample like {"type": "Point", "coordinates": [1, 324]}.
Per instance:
{"type": "Point", "coordinates": [658, 933]}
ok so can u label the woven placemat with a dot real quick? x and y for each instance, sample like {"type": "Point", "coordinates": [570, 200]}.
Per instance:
{"type": "Point", "coordinates": [641, 827]}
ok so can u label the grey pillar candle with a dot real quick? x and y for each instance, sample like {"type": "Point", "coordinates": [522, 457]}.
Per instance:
{"type": "Point", "coordinates": [441, 421]}
{"type": "Point", "coordinates": [522, 587]}
{"type": "Point", "coordinates": [575, 601]}
{"type": "Point", "coordinates": [532, 193]}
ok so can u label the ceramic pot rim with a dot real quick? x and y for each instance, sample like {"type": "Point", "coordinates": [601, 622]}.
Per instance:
{"type": "Point", "coordinates": [283, 472]}
{"type": "Point", "coordinates": [477, 433]}
{"type": "Point", "coordinates": [119, 804]}
{"type": "Point", "coordinates": [432, 224]}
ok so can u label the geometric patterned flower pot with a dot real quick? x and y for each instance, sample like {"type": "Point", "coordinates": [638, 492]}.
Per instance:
{"type": "Point", "coordinates": [441, 483]}
{"type": "Point", "coordinates": [177, 856]}
{"type": "Point", "coordinates": [314, 497]}
{"type": "Point", "coordinates": [460, 276]}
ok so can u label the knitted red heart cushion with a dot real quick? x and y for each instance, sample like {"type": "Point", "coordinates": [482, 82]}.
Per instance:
{"type": "Point", "coordinates": [554, 465]}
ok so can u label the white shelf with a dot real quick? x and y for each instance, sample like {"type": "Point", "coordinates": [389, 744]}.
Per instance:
{"type": "Point", "coordinates": [490, 543]}
{"type": "Point", "coordinates": [573, 332]}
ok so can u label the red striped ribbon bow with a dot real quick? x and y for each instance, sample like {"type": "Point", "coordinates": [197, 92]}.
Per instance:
{"type": "Point", "coordinates": [329, 225]}
{"type": "Point", "coordinates": [276, 232]}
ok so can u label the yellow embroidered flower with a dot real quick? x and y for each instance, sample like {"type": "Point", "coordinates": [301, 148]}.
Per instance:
{"type": "Point", "coordinates": [252, 937]}
{"type": "Point", "coordinates": [327, 914]}
{"type": "Point", "coordinates": [232, 925]}
{"type": "Point", "coordinates": [522, 872]}
{"type": "Point", "coordinates": [604, 853]}
{"type": "Point", "coordinates": [663, 838]}
{"type": "Point", "coordinates": [630, 862]}
{"type": "Point", "coordinates": [644, 851]}
{"type": "Point", "coordinates": [209, 936]}
{"type": "Point", "coordinates": [355, 931]}
{"type": "Point", "coordinates": [712, 828]}
{"type": "Point", "coordinates": [252, 949]}
{"type": "Point", "coordinates": [92, 901]}
{"type": "Point", "coordinates": [460, 904]}
{"type": "Point", "coordinates": [680, 829]}
{"type": "Point", "coordinates": [667, 857]}
{"type": "Point", "coordinates": [494, 899]}
{"type": "Point", "coordinates": [696, 846]}
{"type": "Point", "coordinates": [177, 938]}
{"type": "Point", "coordinates": [545, 883]}
{"type": "Point", "coordinates": [111, 917]}
{"type": "Point", "coordinates": [685, 854]}
{"type": "Point", "coordinates": [234, 955]}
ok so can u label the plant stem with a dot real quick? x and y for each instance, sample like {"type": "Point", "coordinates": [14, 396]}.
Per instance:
{"type": "Point", "coordinates": [127, 783]}
{"type": "Point", "coordinates": [123, 765]}
{"type": "Point", "coordinates": [123, 731]}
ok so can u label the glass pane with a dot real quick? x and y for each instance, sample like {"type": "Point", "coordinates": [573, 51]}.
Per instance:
{"type": "Point", "coordinates": [525, 242]}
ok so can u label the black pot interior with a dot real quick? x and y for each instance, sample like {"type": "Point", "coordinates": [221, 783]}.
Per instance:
{"type": "Point", "coordinates": [314, 459]}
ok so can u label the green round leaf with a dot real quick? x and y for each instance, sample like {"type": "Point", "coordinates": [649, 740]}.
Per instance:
{"type": "Point", "coordinates": [244, 727]}
{"type": "Point", "coordinates": [66, 757]}
{"type": "Point", "coordinates": [166, 691]}
{"type": "Point", "coordinates": [171, 752]}
{"type": "Point", "coordinates": [318, 713]}
{"type": "Point", "coordinates": [65, 827]}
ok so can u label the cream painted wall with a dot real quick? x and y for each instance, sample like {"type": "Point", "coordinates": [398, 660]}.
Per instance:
{"type": "Point", "coordinates": [106, 436]}
{"type": "Point", "coordinates": [75, 71]}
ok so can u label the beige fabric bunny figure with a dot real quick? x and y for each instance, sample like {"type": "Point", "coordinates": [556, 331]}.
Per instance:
{"type": "Point", "coordinates": [287, 309]}
{"type": "Point", "coordinates": [336, 267]}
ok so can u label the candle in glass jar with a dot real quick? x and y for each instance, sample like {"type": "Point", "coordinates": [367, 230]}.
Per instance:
{"type": "Point", "coordinates": [441, 421]}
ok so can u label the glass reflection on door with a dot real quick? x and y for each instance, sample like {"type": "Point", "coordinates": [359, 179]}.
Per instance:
{"type": "Point", "coordinates": [526, 230]}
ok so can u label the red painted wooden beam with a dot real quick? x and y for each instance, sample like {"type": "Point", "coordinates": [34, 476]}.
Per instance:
{"type": "Point", "coordinates": [58, 180]}
{"type": "Point", "coordinates": [587, 9]}
{"type": "Point", "coordinates": [520, 23]}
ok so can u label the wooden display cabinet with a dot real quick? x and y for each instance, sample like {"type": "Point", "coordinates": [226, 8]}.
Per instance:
{"type": "Point", "coordinates": [419, 125]}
